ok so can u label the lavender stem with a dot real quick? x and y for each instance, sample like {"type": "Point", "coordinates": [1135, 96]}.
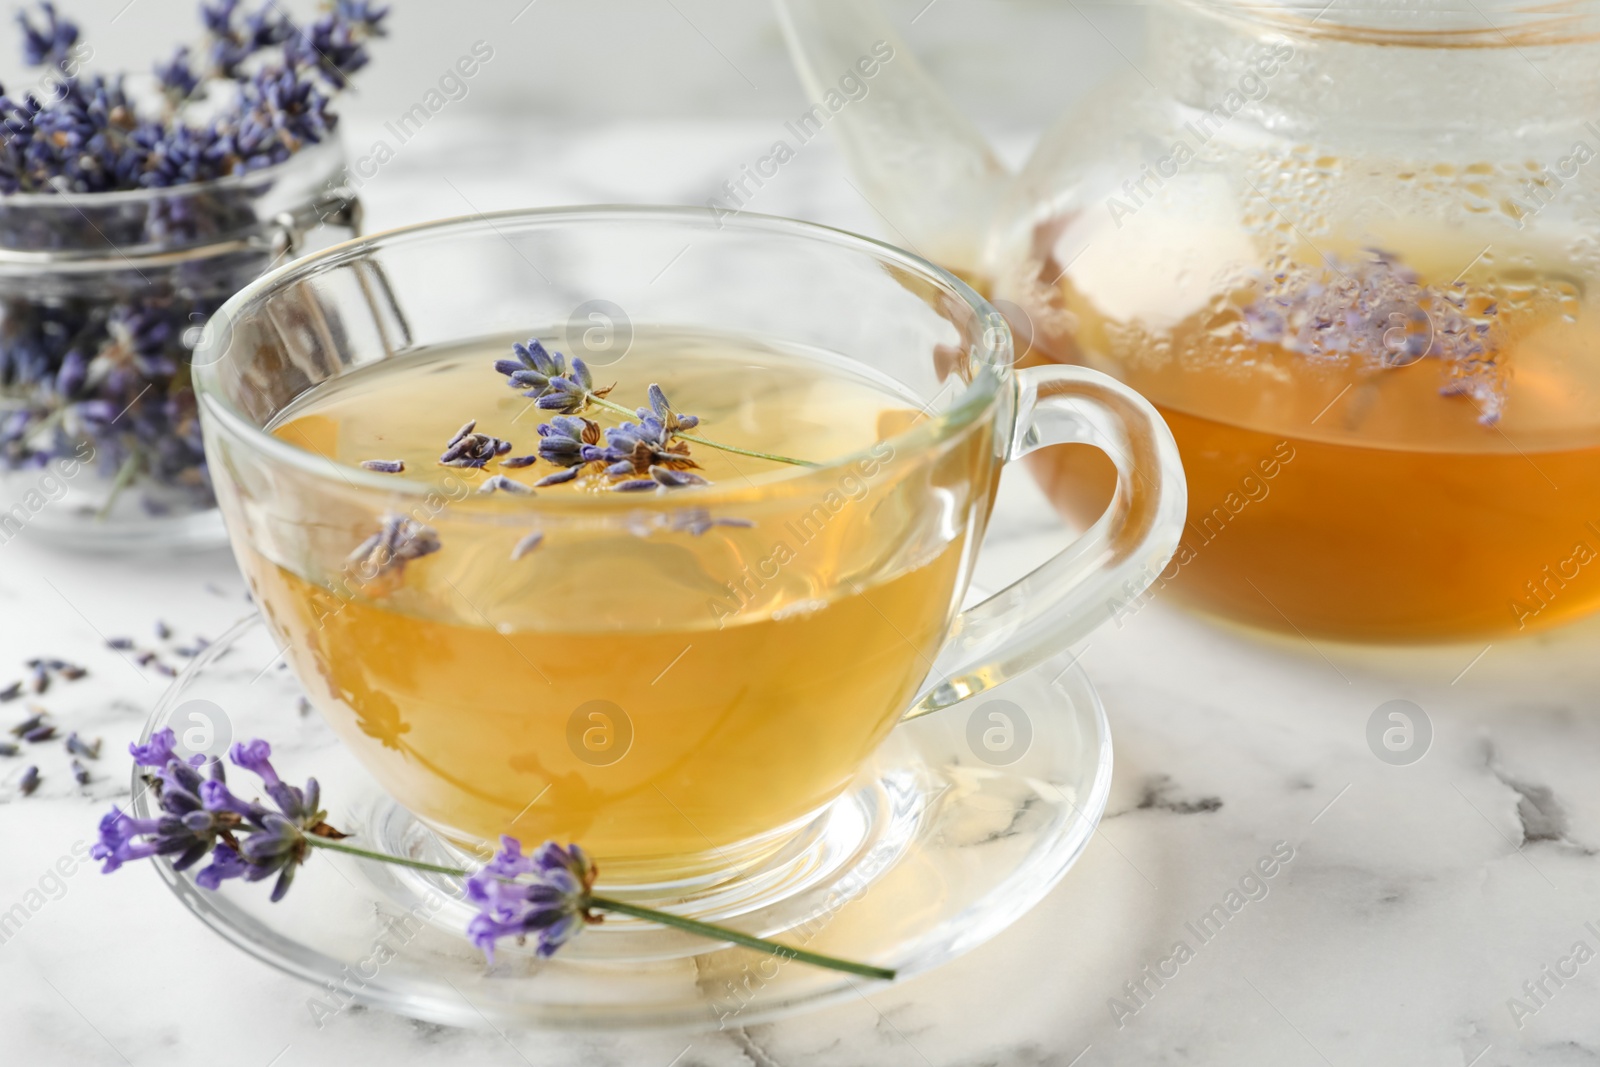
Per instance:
{"type": "Point", "coordinates": [702, 441]}
{"type": "Point", "coordinates": [709, 930]}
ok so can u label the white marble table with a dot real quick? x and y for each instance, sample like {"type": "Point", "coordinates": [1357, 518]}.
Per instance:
{"type": "Point", "coordinates": [1419, 899]}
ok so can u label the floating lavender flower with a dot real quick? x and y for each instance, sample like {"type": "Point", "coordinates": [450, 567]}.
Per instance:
{"type": "Point", "coordinates": [526, 545]}
{"type": "Point", "coordinates": [545, 896]}
{"type": "Point", "coordinates": [499, 483]}
{"type": "Point", "coordinates": [384, 466]}
{"type": "Point", "coordinates": [634, 448]}
{"type": "Point", "coordinates": [547, 379]}
{"type": "Point", "coordinates": [398, 542]}
{"type": "Point", "coordinates": [697, 521]}
{"type": "Point", "coordinates": [469, 448]}
{"type": "Point", "coordinates": [1377, 312]}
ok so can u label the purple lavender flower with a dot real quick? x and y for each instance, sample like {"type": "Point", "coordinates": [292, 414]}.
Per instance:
{"type": "Point", "coordinates": [697, 521]}
{"type": "Point", "coordinates": [547, 379]}
{"type": "Point", "coordinates": [545, 895]}
{"type": "Point", "coordinates": [499, 483]}
{"type": "Point", "coordinates": [201, 817]}
{"type": "Point", "coordinates": [50, 44]}
{"type": "Point", "coordinates": [384, 466]}
{"type": "Point", "coordinates": [398, 542]}
{"type": "Point", "coordinates": [29, 781]}
{"type": "Point", "coordinates": [526, 545]}
{"type": "Point", "coordinates": [634, 448]}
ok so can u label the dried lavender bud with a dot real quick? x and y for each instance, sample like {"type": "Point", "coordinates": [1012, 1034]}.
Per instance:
{"type": "Point", "coordinates": [120, 644]}
{"type": "Point", "coordinates": [163, 631]}
{"type": "Point", "coordinates": [80, 772]}
{"type": "Point", "coordinates": [1376, 313]}
{"type": "Point", "coordinates": [10, 692]}
{"type": "Point", "coordinates": [104, 375]}
{"type": "Point", "coordinates": [697, 521]}
{"type": "Point", "coordinates": [398, 542]}
{"type": "Point", "coordinates": [500, 483]}
{"type": "Point", "coordinates": [163, 669]}
{"type": "Point", "coordinates": [304, 706]}
{"type": "Point", "coordinates": [8, 749]}
{"type": "Point", "coordinates": [518, 462]}
{"type": "Point", "coordinates": [72, 672]}
{"type": "Point", "coordinates": [384, 466]}
{"type": "Point", "coordinates": [79, 747]}
{"type": "Point", "coordinates": [676, 479]}
{"type": "Point", "coordinates": [29, 781]}
{"type": "Point", "coordinates": [41, 679]}
{"type": "Point", "coordinates": [471, 424]}
{"type": "Point", "coordinates": [40, 734]}
{"type": "Point", "coordinates": [527, 545]}
{"type": "Point", "coordinates": [32, 722]}
{"type": "Point", "coordinates": [473, 450]}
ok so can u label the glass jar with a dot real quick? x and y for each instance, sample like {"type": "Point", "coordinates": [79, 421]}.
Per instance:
{"type": "Point", "coordinates": [102, 299]}
{"type": "Point", "coordinates": [1352, 256]}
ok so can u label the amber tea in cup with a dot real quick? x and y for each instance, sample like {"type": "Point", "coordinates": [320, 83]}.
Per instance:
{"type": "Point", "coordinates": [678, 670]}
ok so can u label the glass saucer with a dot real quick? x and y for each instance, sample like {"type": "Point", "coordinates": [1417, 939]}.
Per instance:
{"type": "Point", "coordinates": [961, 822]}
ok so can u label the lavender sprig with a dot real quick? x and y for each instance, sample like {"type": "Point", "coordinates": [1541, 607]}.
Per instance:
{"type": "Point", "coordinates": [547, 895]}
{"type": "Point", "coordinates": [202, 818]}
{"type": "Point", "coordinates": [546, 378]}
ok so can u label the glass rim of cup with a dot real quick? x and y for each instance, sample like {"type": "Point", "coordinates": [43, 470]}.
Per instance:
{"type": "Point", "coordinates": [991, 351]}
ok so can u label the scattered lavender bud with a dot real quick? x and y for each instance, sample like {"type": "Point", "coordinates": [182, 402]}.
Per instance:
{"type": "Point", "coordinates": [527, 545]}
{"type": "Point", "coordinates": [384, 466]}
{"type": "Point", "coordinates": [29, 781]}
{"type": "Point", "coordinates": [32, 722]}
{"type": "Point", "coordinates": [10, 692]}
{"type": "Point", "coordinates": [72, 672]}
{"type": "Point", "coordinates": [163, 669]}
{"type": "Point", "coordinates": [461, 434]}
{"type": "Point", "coordinates": [120, 644]}
{"type": "Point", "coordinates": [38, 734]}
{"type": "Point", "coordinates": [79, 747]}
{"type": "Point", "coordinates": [80, 772]}
{"type": "Point", "coordinates": [41, 679]}
{"type": "Point", "coordinates": [304, 706]}
{"type": "Point", "coordinates": [163, 631]}
{"type": "Point", "coordinates": [186, 651]}
{"type": "Point", "coordinates": [144, 659]}
{"type": "Point", "coordinates": [8, 749]}
{"type": "Point", "coordinates": [500, 483]}
{"type": "Point", "coordinates": [518, 462]}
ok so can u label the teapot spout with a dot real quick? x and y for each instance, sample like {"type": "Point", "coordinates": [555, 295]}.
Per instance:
{"type": "Point", "coordinates": [921, 164]}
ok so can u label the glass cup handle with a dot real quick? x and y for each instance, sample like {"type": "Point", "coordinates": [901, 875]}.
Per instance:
{"type": "Point", "coordinates": [1114, 561]}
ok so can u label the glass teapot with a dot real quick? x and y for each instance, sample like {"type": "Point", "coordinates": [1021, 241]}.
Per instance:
{"type": "Point", "coordinates": [1351, 255]}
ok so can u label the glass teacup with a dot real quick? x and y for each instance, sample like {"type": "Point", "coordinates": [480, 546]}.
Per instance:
{"type": "Point", "coordinates": [678, 679]}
